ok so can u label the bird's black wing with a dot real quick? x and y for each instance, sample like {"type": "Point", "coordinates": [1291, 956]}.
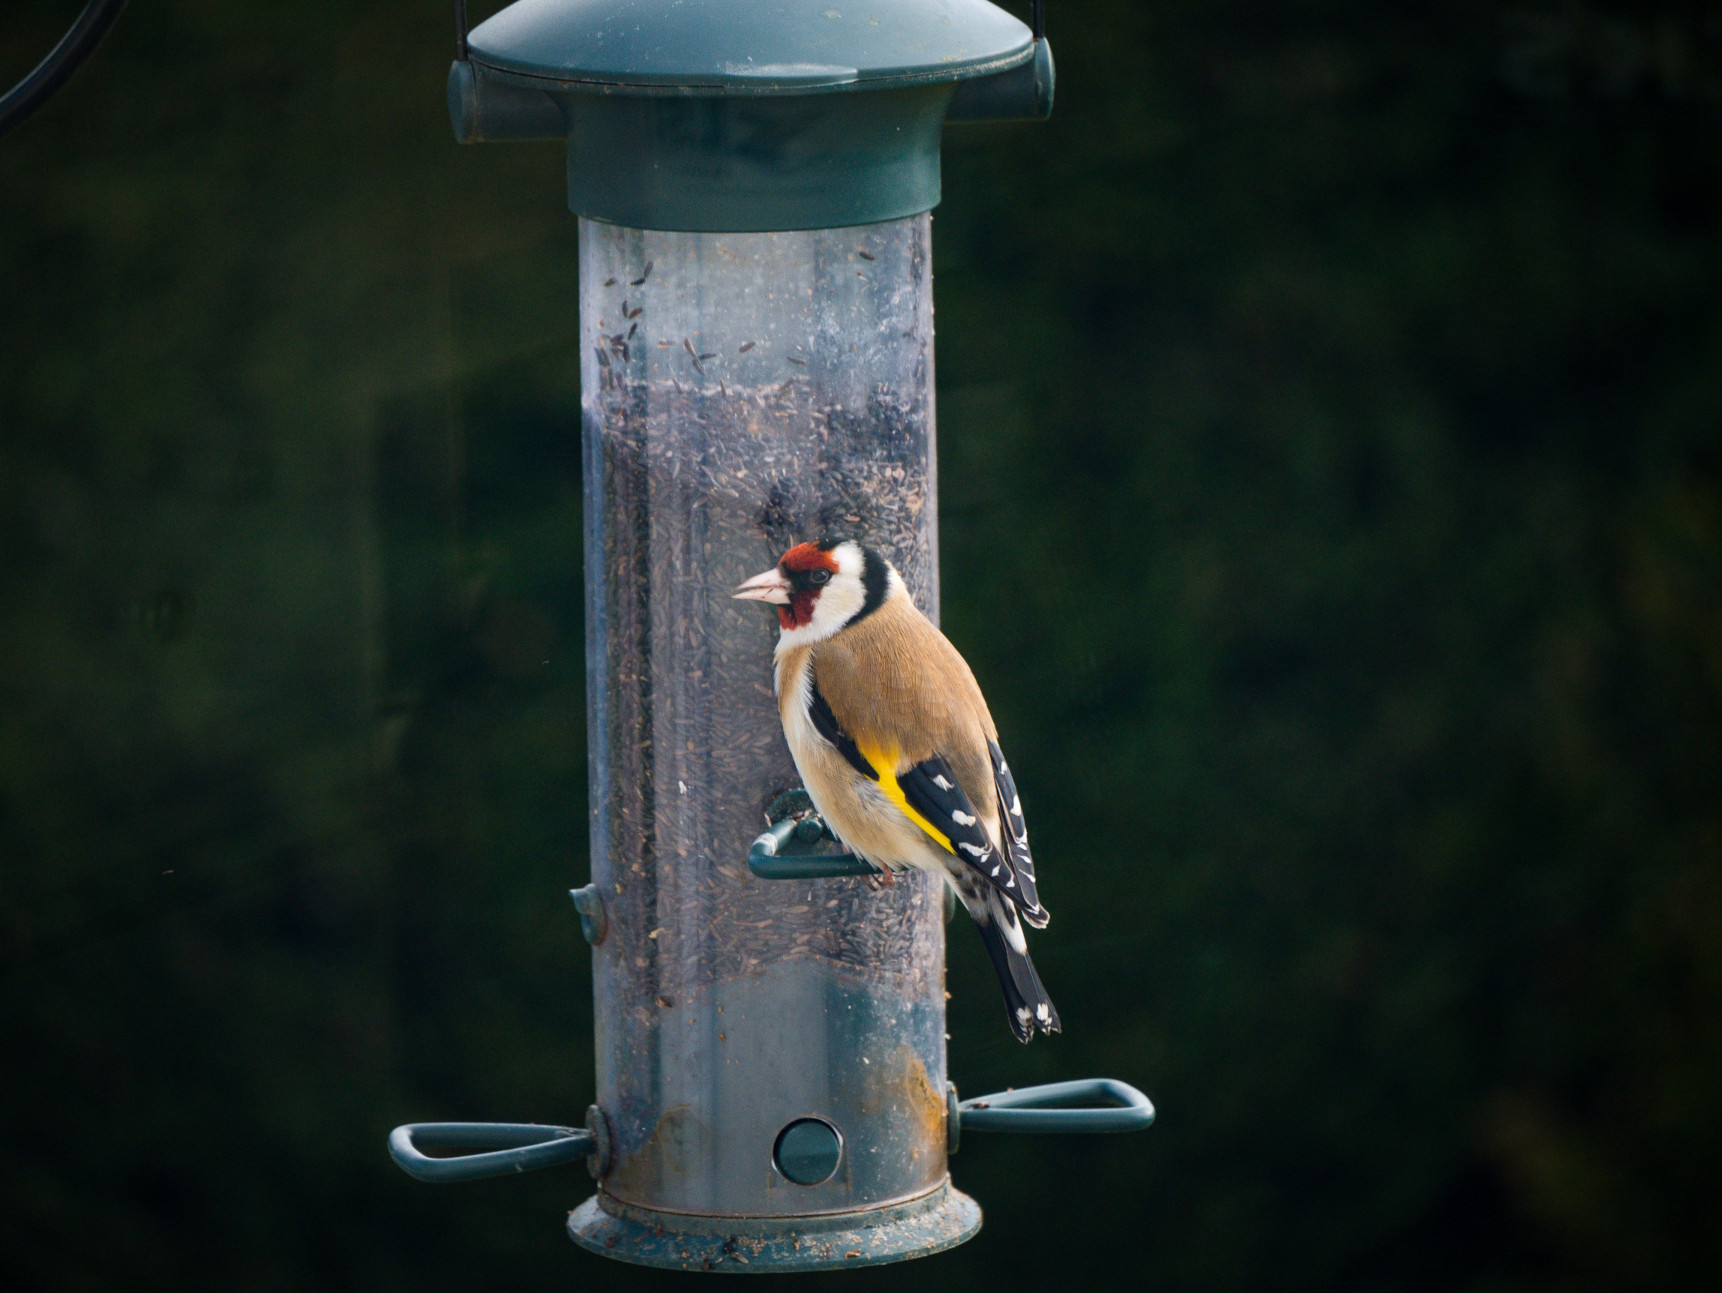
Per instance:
{"type": "Point", "coordinates": [1014, 831]}
{"type": "Point", "coordinates": [931, 790]}
{"type": "Point", "coordinates": [826, 724]}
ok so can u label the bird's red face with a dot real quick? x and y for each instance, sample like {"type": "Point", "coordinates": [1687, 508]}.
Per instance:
{"type": "Point", "coordinates": [793, 585]}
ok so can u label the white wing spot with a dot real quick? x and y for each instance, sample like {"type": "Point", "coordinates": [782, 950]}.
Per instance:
{"type": "Point", "coordinates": [995, 870]}
{"type": "Point", "coordinates": [1016, 806]}
{"type": "Point", "coordinates": [1042, 1013]}
{"type": "Point", "coordinates": [942, 784]}
{"type": "Point", "coordinates": [961, 818]}
{"type": "Point", "coordinates": [1023, 1014]}
{"type": "Point", "coordinates": [1010, 882]}
{"type": "Point", "coordinates": [970, 849]}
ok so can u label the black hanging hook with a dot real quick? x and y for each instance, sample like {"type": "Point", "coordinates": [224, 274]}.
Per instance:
{"type": "Point", "coordinates": [52, 72]}
{"type": "Point", "coordinates": [1037, 18]}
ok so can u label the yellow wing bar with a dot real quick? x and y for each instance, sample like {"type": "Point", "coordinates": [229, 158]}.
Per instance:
{"type": "Point", "coordinates": [883, 761]}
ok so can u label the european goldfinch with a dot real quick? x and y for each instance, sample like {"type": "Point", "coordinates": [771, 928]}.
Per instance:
{"type": "Point", "coordinates": [897, 750]}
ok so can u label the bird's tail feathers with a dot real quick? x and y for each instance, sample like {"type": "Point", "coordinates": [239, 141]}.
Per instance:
{"type": "Point", "coordinates": [1025, 996]}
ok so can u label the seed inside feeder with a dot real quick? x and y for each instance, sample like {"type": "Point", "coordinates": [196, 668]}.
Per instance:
{"type": "Point", "coordinates": [699, 481]}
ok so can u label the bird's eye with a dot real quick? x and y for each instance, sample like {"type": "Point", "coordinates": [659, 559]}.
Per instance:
{"type": "Point", "coordinates": [820, 577]}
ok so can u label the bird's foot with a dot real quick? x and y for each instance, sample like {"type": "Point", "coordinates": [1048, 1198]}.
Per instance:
{"type": "Point", "coordinates": [881, 880]}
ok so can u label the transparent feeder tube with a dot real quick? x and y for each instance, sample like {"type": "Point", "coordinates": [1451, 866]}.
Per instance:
{"type": "Point", "coordinates": [742, 393]}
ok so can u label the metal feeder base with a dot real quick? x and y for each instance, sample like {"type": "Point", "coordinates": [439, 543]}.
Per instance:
{"type": "Point", "coordinates": [756, 1245]}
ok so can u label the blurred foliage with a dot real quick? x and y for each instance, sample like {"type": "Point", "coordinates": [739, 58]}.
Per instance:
{"type": "Point", "coordinates": [1331, 412]}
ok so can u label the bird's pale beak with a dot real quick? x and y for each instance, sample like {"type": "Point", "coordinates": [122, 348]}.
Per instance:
{"type": "Point", "coordinates": [769, 587]}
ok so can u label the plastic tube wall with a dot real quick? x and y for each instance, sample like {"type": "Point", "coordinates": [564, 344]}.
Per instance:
{"type": "Point", "coordinates": [744, 392]}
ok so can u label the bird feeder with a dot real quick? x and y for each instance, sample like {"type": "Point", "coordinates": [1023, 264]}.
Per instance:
{"type": "Point", "coordinates": [753, 180]}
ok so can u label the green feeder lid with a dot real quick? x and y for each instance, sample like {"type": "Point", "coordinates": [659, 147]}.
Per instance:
{"type": "Point", "coordinates": [746, 114]}
{"type": "Point", "coordinates": [751, 46]}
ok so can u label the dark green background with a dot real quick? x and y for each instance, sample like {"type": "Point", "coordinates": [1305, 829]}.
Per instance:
{"type": "Point", "coordinates": [1331, 426]}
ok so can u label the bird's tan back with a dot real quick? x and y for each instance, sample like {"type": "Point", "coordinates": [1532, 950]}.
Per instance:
{"type": "Point", "coordinates": [895, 662]}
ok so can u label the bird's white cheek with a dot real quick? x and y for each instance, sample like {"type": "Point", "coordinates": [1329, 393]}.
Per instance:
{"type": "Point", "coordinates": [834, 608]}
{"type": "Point", "coordinates": [802, 635]}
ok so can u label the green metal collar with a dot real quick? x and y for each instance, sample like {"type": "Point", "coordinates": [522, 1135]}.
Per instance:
{"type": "Point", "coordinates": [747, 115]}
